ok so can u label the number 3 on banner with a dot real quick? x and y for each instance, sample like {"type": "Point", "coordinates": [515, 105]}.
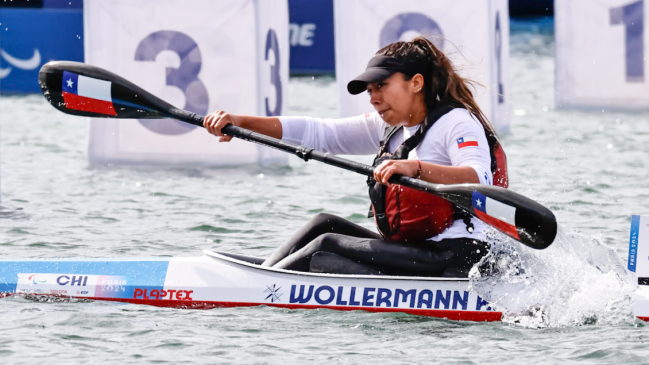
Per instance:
{"type": "Point", "coordinates": [185, 77]}
{"type": "Point", "coordinates": [275, 79]}
{"type": "Point", "coordinates": [632, 17]}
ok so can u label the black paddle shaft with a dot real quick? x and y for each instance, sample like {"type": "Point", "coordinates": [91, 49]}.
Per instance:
{"type": "Point", "coordinates": [535, 225]}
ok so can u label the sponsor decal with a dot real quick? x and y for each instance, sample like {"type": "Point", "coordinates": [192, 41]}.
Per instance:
{"type": "Point", "coordinates": [113, 287]}
{"type": "Point", "coordinates": [273, 293]}
{"type": "Point", "coordinates": [387, 298]}
{"type": "Point", "coordinates": [79, 280]}
{"type": "Point", "coordinates": [159, 294]}
{"type": "Point", "coordinates": [633, 242]}
{"type": "Point", "coordinates": [98, 286]}
{"type": "Point", "coordinates": [113, 283]}
{"type": "Point", "coordinates": [36, 280]}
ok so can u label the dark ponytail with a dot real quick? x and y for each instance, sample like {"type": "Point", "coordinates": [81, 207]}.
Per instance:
{"type": "Point", "coordinates": [442, 84]}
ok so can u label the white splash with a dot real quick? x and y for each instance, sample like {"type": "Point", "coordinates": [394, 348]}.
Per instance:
{"type": "Point", "coordinates": [577, 280]}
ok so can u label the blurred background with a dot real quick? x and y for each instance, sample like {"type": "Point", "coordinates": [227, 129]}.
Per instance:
{"type": "Point", "coordinates": [55, 29]}
{"type": "Point", "coordinates": [566, 89]}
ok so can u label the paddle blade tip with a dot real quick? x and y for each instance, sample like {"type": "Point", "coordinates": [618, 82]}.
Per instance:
{"type": "Point", "coordinates": [85, 90]}
{"type": "Point", "coordinates": [540, 234]}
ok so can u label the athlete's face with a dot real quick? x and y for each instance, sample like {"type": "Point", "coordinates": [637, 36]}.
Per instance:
{"type": "Point", "coordinates": [399, 101]}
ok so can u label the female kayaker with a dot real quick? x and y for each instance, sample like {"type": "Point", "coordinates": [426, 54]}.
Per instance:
{"type": "Point", "coordinates": [427, 125]}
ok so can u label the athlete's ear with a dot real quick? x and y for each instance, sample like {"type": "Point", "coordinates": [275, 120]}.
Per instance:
{"type": "Point", "coordinates": [417, 83]}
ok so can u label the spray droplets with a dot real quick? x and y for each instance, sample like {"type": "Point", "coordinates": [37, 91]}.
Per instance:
{"type": "Point", "coordinates": [576, 281]}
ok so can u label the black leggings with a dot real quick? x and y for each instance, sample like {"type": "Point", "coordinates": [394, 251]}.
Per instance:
{"type": "Point", "coordinates": [329, 233]}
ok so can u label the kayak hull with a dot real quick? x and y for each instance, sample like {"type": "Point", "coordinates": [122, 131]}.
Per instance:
{"type": "Point", "coordinates": [218, 281]}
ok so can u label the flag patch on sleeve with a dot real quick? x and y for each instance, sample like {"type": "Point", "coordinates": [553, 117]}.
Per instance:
{"type": "Point", "coordinates": [470, 141]}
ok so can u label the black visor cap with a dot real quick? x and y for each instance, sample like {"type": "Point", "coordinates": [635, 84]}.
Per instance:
{"type": "Point", "coordinates": [380, 68]}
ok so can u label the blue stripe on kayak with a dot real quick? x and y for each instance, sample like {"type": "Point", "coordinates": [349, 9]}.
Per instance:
{"type": "Point", "coordinates": [142, 272]}
{"type": "Point", "coordinates": [633, 242]}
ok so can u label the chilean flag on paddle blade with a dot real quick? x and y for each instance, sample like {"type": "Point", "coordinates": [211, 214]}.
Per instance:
{"type": "Point", "coordinates": [87, 94]}
{"type": "Point", "coordinates": [470, 141]}
{"type": "Point", "coordinates": [495, 213]}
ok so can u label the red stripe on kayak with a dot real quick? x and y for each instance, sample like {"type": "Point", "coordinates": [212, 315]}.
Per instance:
{"type": "Point", "coordinates": [502, 226]}
{"type": "Point", "coordinates": [646, 319]}
{"type": "Point", "coordinates": [455, 315]}
{"type": "Point", "coordinates": [84, 104]}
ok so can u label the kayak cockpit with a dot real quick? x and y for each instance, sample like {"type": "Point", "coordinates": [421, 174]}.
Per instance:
{"type": "Point", "coordinates": [321, 263]}
{"type": "Point", "coordinates": [249, 259]}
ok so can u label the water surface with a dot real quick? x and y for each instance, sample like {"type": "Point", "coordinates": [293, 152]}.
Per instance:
{"type": "Point", "coordinates": [590, 168]}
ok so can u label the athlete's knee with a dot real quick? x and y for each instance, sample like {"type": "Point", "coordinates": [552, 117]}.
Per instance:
{"type": "Point", "coordinates": [324, 219]}
{"type": "Point", "coordinates": [326, 242]}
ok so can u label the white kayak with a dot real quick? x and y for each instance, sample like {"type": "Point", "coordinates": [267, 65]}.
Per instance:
{"type": "Point", "coordinates": [217, 280]}
{"type": "Point", "coordinates": [225, 280]}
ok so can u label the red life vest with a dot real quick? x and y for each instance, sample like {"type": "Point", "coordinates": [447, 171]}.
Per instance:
{"type": "Point", "coordinates": [410, 215]}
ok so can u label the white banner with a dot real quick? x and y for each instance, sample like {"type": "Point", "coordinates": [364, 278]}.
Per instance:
{"type": "Point", "coordinates": [473, 33]}
{"type": "Point", "coordinates": [198, 55]}
{"type": "Point", "coordinates": [601, 54]}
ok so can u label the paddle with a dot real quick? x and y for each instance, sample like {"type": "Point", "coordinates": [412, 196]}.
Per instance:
{"type": "Point", "coordinates": [84, 90]}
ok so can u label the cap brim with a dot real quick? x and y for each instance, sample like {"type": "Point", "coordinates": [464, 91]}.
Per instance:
{"type": "Point", "coordinates": [375, 74]}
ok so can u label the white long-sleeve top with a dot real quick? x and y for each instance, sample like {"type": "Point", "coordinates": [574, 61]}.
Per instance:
{"type": "Point", "coordinates": [448, 142]}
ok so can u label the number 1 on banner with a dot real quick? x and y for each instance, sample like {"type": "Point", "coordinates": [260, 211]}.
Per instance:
{"type": "Point", "coordinates": [632, 17]}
